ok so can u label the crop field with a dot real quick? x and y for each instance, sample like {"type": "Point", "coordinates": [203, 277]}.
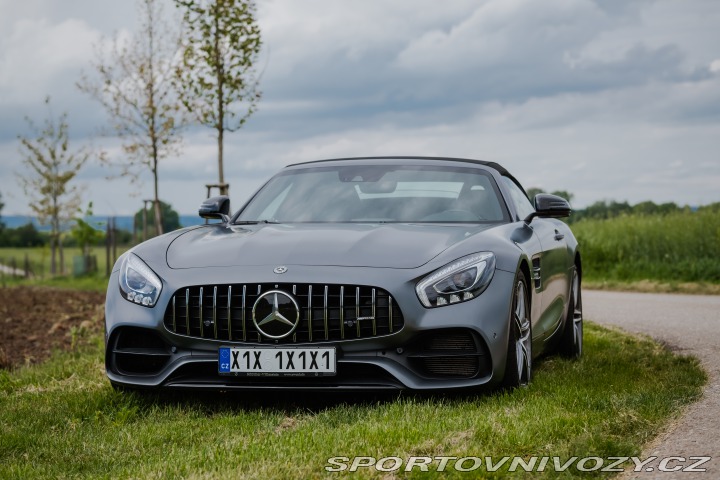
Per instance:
{"type": "Point", "coordinates": [677, 247]}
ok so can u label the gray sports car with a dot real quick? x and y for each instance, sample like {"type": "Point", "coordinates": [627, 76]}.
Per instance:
{"type": "Point", "coordinates": [360, 273]}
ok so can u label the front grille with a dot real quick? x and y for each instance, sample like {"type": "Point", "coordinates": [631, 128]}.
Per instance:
{"type": "Point", "coordinates": [327, 312]}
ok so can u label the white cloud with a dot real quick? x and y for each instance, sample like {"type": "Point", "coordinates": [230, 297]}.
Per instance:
{"type": "Point", "coordinates": [505, 32]}
{"type": "Point", "coordinates": [36, 52]}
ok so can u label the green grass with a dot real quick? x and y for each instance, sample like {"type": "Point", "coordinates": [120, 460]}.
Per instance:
{"type": "Point", "coordinates": [673, 248]}
{"type": "Point", "coordinates": [62, 419]}
{"type": "Point", "coordinates": [654, 286]}
{"type": "Point", "coordinates": [39, 259]}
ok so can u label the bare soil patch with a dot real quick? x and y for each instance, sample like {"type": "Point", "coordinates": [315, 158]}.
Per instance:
{"type": "Point", "coordinates": [35, 321]}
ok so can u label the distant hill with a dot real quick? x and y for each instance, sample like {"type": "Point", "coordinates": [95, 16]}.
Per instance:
{"type": "Point", "coordinates": [123, 222]}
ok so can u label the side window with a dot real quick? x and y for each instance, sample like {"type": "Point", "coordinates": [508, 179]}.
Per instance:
{"type": "Point", "coordinates": [522, 204]}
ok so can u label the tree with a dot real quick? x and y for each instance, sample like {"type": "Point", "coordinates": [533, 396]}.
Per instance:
{"type": "Point", "coordinates": [170, 218]}
{"type": "Point", "coordinates": [51, 166]}
{"type": "Point", "coordinates": [560, 193]}
{"type": "Point", "coordinates": [532, 191]}
{"type": "Point", "coordinates": [23, 236]}
{"type": "Point", "coordinates": [217, 81]}
{"type": "Point", "coordinates": [134, 84]}
{"type": "Point", "coordinates": [84, 233]}
{"type": "Point", "coordinates": [564, 194]}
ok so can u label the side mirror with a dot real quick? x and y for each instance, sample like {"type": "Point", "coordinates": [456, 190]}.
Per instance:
{"type": "Point", "coordinates": [549, 206]}
{"type": "Point", "coordinates": [216, 207]}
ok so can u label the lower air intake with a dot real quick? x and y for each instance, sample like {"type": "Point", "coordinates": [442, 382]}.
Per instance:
{"type": "Point", "coordinates": [455, 353]}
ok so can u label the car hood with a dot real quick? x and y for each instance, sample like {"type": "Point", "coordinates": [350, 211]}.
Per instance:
{"type": "Point", "coordinates": [350, 245]}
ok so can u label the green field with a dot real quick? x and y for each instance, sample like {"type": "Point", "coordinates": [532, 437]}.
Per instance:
{"type": "Point", "coordinates": [673, 248]}
{"type": "Point", "coordinates": [39, 261]}
{"type": "Point", "coordinates": [39, 258]}
{"type": "Point", "coordinates": [62, 419]}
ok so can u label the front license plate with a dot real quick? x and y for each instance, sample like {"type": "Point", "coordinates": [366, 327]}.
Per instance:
{"type": "Point", "coordinates": [264, 361]}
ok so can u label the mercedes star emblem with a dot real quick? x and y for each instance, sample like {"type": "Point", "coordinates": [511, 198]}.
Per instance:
{"type": "Point", "coordinates": [280, 269]}
{"type": "Point", "coordinates": [275, 314]}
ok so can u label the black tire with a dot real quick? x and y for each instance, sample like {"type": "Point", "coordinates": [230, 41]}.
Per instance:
{"type": "Point", "coordinates": [518, 366]}
{"type": "Point", "coordinates": [571, 342]}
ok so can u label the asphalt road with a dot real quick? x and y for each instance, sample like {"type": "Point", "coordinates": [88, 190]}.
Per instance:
{"type": "Point", "coordinates": [689, 324]}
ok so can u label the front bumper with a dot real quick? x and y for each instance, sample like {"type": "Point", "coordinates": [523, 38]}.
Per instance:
{"type": "Point", "coordinates": [456, 346]}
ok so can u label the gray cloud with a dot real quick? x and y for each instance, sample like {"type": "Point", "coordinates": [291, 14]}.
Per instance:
{"type": "Point", "coordinates": [596, 97]}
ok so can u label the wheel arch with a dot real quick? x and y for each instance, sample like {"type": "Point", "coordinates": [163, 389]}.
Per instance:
{"type": "Point", "coordinates": [578, 264]}
{"type": "Point", "coordinates": [524, 268]}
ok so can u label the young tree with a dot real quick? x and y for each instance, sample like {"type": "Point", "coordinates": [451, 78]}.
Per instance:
{"type": "Point", "coordinates": [51, 166]}
{"type": "Point", "coordinates": [217, 79]}
{"type": "Point", "coordinates": [2, 225]}
{"type": "Point", "coordinates": [134, 84]}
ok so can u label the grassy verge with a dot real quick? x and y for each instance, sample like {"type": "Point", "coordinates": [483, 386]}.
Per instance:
{"type": "Point", "coordinates": [62, 419]}
{"type": "Point", "coordinates": [652, 286]}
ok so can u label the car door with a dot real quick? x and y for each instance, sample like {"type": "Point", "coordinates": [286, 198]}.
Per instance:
{"type": "Point", "coordinates": [551, 268]}
{"type": "Point", "coordinates": [548, 251]}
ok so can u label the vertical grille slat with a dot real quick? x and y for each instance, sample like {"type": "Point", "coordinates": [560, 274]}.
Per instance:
{"type": "Point", "coordinates": [349, 312]}
{"type": "Point", "coordinates": [390, 316]}
{"type": "Point", "coordinates": [342, 313]}
{"type": "Point", "coordinates": [200, 310]}
{"type": "Point", "coordinates": [309, 316]}
{"type": "Point", "coordinates": [244, 332]}
{"type": "Point", "coordinates": [187, 310]}
{"type": "Point", "coordinates": [374, 323]}
{"type": "Point", "coordinates": [325, 311]}
{"type": "Point", "coordinates": [214, 318]}
{"type": "Point", "coordinates": [357, 310]}
{"type": "Point", "coordinates": [229, 312]}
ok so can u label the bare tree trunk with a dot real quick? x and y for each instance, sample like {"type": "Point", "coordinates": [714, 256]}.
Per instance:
{"type": "Point", "coordinates": [158, 218]}
{"type": "Point", "coordinates": [107, 245]}
{"type": "Point", "coordinates": [113, 240]}
{"type": "Point", "coordinates": [53, 249]}
{"type": "Point", "coordinates": [158, 211]}
{"type": "Point", "coordinates": [223, 190]}
{"type": "Point", "coordinates": [62, 256]}
{"type": "Point", "coordinates": [145, 232]}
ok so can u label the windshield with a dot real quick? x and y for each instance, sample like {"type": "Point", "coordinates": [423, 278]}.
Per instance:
{"type": "Point", "coordinates": [377, 193]}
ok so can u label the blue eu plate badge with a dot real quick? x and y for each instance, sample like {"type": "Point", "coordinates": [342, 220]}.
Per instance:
{"type": "Point", "coordinates": [224, 360]}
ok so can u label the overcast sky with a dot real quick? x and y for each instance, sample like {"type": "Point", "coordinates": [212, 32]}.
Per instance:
{"type": "Point", "coordinates": [608, 99]}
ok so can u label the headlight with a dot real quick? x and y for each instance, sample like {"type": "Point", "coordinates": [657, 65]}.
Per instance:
{"type": "Point", "coordinates": [138, 283]}
{"type": "Point", "coordinates": [457, 282]}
